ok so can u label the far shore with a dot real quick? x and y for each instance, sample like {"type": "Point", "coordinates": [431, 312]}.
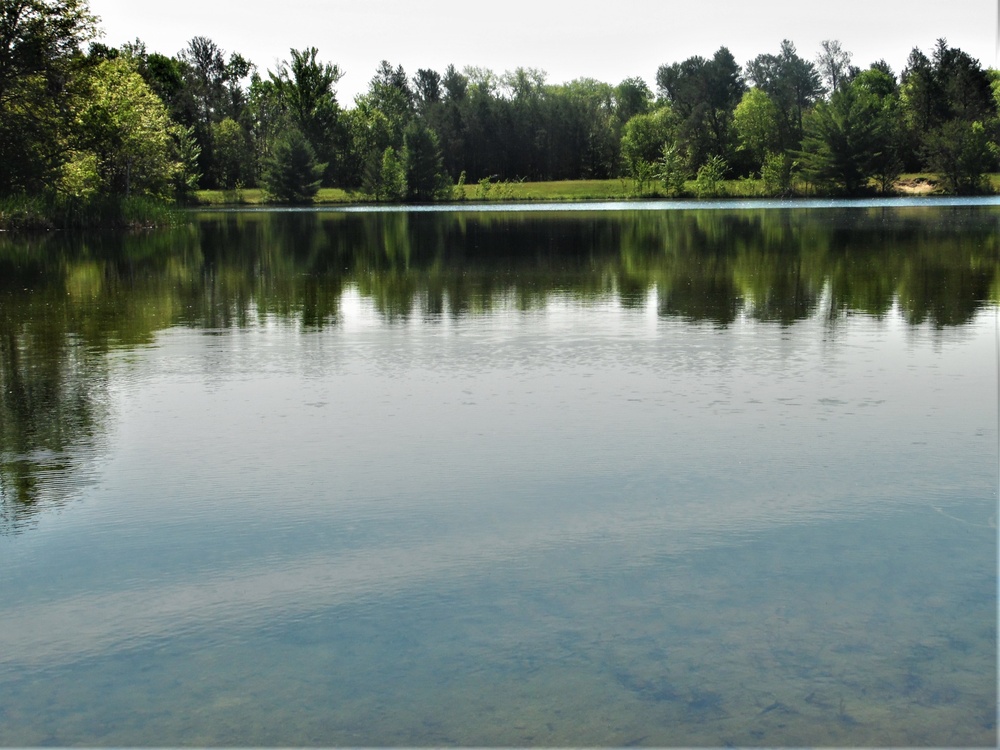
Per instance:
{"type": "Point", "coordinates": [508, 191]}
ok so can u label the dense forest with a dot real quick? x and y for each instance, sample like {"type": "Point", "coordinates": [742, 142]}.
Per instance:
{"type": "Point", "coordinates": [80, 119]}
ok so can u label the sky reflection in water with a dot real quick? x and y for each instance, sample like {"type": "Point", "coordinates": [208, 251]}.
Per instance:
{"type": "Point", "coordinates": [418, 493]}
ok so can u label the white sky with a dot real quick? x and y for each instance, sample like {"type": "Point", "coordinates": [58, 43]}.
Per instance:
{"type": "Point", "coordinates": [608, 41]}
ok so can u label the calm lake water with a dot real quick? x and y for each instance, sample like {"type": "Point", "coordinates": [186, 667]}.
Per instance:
{"type": "Point", "coordinates": [614, 476]}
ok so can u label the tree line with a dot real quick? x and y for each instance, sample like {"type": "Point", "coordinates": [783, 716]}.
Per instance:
{"type": "Point", "coordinates": [81, 118]}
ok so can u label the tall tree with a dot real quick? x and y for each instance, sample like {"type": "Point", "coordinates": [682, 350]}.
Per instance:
{"type": "Point", "coordinates": [427, 88]}
{"type": "Point", "coordinates": [291, 173]}
{"type": "Point", "coordinates": [756, 122]}
{"type": "Point", "coordinates": [389, 92]}
{"type": "Point", "coordinates": [233, 154]}
{"type": "Point", "coordinates": [644, 138]}
{"type": "Point", "coordinates": [842, 140]}
{"type": "Point", "coordinates": [39, 40]}
{"type": "Point", "coordinates": [949, 86]}
{"type": "Point", "coordinates": [704, 94]}
{"type": "Point", "coordinates": [880, 82]}
{"type": "Point", "coordinates": [422, 164]}
{"type": "Point", "coordinates": [212, 92]}
{"type": "Point", "coordinates": [306, 89]}
{"type": "Point", "coordinates": [793, 85]}
{"type": "Point", "coordinates": [204, 68]}
{"type": "Point", "coordinates": [631, 97]}
{"type": "Point", "coordinates": [962, 153]}
{"type": "Point", "coordinates": [450, 125]}
{"type": "Point", "coordinates": [123, 129]}
{"type": "Point", "coordinates": [834, 64]}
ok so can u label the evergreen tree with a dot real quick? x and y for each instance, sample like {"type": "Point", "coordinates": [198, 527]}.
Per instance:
{"type": "Point", "coordinates": [422, 164]}
{"type": "Point", "coordinates": [842, 140]}
{"type": "Point", "coordinates": [291, 172]}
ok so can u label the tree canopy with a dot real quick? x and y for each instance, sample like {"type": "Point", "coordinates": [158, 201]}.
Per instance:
{"type": "Point", "coordinates": [127, 120]}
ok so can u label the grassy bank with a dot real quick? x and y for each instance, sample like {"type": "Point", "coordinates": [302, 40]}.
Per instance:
{"type": "Point", "coordinates": [115, 212]}
{"type": "Point", "coordinates": [572, 190]}
{"type": "Point", "coordinates": [256, 197]}
{"type": "Point", "coordinates": [43, 213]}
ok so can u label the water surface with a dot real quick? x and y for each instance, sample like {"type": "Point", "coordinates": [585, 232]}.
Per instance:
{"type": "Point", "coordinates": [636, 477]}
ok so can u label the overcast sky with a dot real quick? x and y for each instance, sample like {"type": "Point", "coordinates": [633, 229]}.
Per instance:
{"type": "Point", "coordinates": [608, 41]}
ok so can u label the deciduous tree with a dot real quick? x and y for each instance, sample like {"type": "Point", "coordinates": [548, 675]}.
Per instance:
{"type": "Point", "coordinates": [755, 120]}
{"type": "Point", "coordinates": [793, 85]}
{"type": "Point", "coordinates": [125, 126]}
{"type": "Point", "coordinates": [834, 64]}
{"type": "Point", "coordinates": [704, 94]}
{"type": "Point", "coordinates": [39, 41]}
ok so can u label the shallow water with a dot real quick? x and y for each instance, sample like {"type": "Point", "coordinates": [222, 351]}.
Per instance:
{"type": "Point", "coordinates": [706, 478]}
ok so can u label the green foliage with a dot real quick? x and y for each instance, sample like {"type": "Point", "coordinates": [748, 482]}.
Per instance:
{"type": "Point", "coordinates": [305, 89]}
{"type": "Point", "coordinates": [21, 212]}
{"type": "Point", "coordinates": [233, 154]}
{"type": "Point", "coordinates": [672, 170]}
{"type": "Point", "coordinates": [385, 176]}
{"type": "Point", "coordinates": [878, 82]}
{"type": "Point", "coordinates": [40, 42]}
{"type": "Point", "coordinates": [371, 133]}
{"type": "Point", "coordinates": [632, 97]}
{"type": "Point", "coordinates": [643, 173]}
{"type": "Point", "coordinates": [124, 126]}
{"type": "Point", "coordinates": [948, 86]}
{"type": "Point", "coordinates": [61, 211]}
{"type": "Point", "coordinates": [422, 165]}
{"type": "Point", "coordinates": [483, 189]}
{"type": "Point", "coordinates": [755, 120]}
{"type": "Point", "coordinates": [503, 190]}
{"type": "Point", "coordinates": [793, 84]}
{"type": "Point", "coordinates": [212, 91]}
{"type": "Point", "coordinates": [80, 176]}
{"type": "Point", "coordinates": [962, 153]}
{"type": "Point", "coordinates": [187, 152]}
{"type": "Point", "coordinates": [708, 183]}
{"type": "Point", "coordinates": [389, 94]}
{"type": "Point", "coordinates": [125, 121]}
{"type": "Point", "coordinates": [291, 172]}
{"type": "Point", "coordinates": [703, 93]}
{"type": "Point", "coordinates": [843, 138]}
{"type": "Point", "coordinates": [644, 137]}
{"type": "Point", "coordinates": [776, 174]}
{"type": "Point", "coordinates": [458, 192]}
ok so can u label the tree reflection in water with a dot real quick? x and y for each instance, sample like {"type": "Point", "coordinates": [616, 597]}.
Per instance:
{"type": "Point", "coordinates": [67, 301]}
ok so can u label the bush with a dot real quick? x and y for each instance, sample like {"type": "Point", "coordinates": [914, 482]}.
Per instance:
{"type": "Point", "coordinates": [776, 173]}
{"type": "Point", "coordinates": [708, 183]}
{"type": "Point", "coordinates": [673, 170]}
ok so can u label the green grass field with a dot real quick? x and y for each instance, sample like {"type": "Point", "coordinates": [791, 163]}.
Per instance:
{"type": "Point", "coordinates": [566, 190]}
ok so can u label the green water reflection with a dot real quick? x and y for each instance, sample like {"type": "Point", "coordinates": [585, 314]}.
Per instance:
{"type": "Point", "coordinates": [67, 300]}
{"type": "Point", "coordinates": [581, 478]}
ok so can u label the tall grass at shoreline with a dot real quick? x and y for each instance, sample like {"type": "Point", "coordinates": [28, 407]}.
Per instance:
{"type": "Point", "coordinates": [46, 213]}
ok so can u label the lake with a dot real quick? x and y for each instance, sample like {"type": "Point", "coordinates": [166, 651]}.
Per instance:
{"type": "Point", "coordinates": [613, 475]}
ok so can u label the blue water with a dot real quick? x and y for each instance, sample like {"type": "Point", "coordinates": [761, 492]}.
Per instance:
{"type": "Point", "coordinates": [577, 522]}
